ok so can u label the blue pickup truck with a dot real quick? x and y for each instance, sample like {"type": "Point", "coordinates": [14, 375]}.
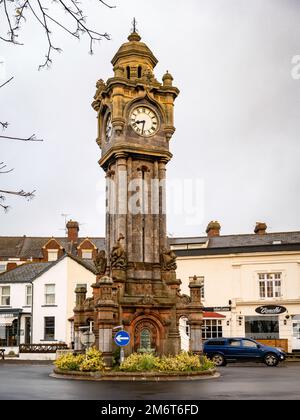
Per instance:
{"type": "Point", "coordinates": [223, 350]}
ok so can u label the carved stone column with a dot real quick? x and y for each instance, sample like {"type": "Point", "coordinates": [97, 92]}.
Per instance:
{"type": "Point", "coordinates": [80, 293]}
{"type": "Point", "coordinates": [196, 315]}
{"type": "Point", "coordinates": [107, 310]}
{"type": "Point", "coordinates": [162, 204]}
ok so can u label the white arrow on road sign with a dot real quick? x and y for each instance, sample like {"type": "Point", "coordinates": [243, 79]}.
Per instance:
{"type": "Point", "coordinates": [120, 339]}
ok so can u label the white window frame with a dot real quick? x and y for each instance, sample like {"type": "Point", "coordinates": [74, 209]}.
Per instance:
{"type": "Point", "coordinates": [52, 254]}
{"type": "Point", "coordinates": [87, 251]}
{"type": "Point", "coordinates": [207, 328]}
{"type": "Point", "coordinates": [28, 295]}
{"type": "Point", "coordinates": [2, 267]}
{"type": "Point", "coordinates": [4, 297]}
{"type": "Point", "coordinates": [270, 285]}
{"type": "Point", "coordinates": [48, 295]}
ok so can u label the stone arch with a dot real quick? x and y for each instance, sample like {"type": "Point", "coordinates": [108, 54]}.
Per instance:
{"type": "Point", "coordinates": [154, 329]}
{"type": "Point", "coordinates": [149, 101]}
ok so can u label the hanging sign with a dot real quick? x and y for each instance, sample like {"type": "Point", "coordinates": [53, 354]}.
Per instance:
{"type": "Point", "coordinates": [270, 310]}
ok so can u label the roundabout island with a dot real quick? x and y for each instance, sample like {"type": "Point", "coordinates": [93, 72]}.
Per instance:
{"type": "Point", "coordinates": [137, 367]}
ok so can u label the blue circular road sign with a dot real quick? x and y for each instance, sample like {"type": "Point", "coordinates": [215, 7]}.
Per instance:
{"type": "Point", "coordinates": [122, 338]}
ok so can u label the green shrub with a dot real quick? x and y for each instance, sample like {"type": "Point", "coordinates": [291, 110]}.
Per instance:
{"type": "Point", "coordinates": [93, 361]}
{"type": "Point", "coordinates": [69, 361]}
{"type": "Point", "coordinates": [183, 362]}
{"type": "Point", "coordinates": [206, 363]}
{"type": "Point", "coordinates": [138, 362]}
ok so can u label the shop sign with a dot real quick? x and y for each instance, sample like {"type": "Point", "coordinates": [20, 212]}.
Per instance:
{"type": "Point", "coordinates": [270, 310]}
{"type": "Point", "coordinates": [217, 309]}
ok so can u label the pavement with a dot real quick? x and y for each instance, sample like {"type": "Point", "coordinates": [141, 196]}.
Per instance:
{"type": "Point", "coordinates": [237, 381]}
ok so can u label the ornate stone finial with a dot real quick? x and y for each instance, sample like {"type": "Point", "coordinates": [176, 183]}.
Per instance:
{"type": "Point", "coordinates": [100, 262]}
{"type": "Point", "coordinates": [118, 257]}
{"type": "Point", "coordinates": [168, 260]}
{"type": "Point", "coordinates": [134, 36]}
{"type": "Point", "coordinates": [167, 79]}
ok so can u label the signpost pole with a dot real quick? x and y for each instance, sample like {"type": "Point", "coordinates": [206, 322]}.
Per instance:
{"type": "Point", "coordinates": [122, 356]}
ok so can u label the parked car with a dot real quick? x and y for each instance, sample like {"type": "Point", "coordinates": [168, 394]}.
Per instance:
{"type": "Point", "coordinates": [223, 350]}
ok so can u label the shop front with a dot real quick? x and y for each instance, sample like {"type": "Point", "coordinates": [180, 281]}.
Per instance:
{"type": "Point", "coordinates": [10, 328]}
{"type": "Point", "coordinates": [268, 326]}
{"type": "Point", "coordinates": [296, 333]}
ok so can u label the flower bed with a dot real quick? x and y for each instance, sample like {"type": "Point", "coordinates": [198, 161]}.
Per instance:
{"type": "Point", "coordinates": [183, 362]}
{"type": "Point", "coordinates": [92, 365]}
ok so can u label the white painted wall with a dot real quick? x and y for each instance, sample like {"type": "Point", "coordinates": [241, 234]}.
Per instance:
{"type": "Point", "coordinates": [65, 275]}
{"type": "Point", "coordinates": [56, 275]}
{"type": "Point", "coordinates": [235, 277]}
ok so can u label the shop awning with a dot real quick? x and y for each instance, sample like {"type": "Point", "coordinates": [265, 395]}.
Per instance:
{"type": "Point", "coordinates": [213, 315]}
{"type": "Point", "coordinates": [6, 320]}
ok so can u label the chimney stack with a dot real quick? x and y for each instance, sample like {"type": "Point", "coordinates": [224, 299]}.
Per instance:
{"type": "Point", "coordinates": [73, 229]}
{"type": "Point", "coordinates": [11, 266]}
{"type": "Point", "coordinates": [260, 228]}
{"type": "Point", "coordinates": [213, 229]}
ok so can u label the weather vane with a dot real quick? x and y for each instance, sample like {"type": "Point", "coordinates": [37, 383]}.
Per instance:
{"type": "Point", "coordinates": [134, 24]}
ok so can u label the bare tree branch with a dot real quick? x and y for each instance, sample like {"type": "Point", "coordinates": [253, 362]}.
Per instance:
{"type": "Point", "coordinates": [31, 138]}
{"type": "Point", "coordinates": [3, 166]}
{"type": "Point", "coordinates": [7, 81]}
{"type": "Point", "coordinates": [44, 16]}
{"type": "Point", "coordinates": [21, 193]}
{"type": "Point", "coordinates": [5, 208]}
{"type": "Point", "coordinates": [13, 12]}
{"type": "Point", "coordinates": [4, 124]}
{"type": "Point", "coordinates": [107, 5]}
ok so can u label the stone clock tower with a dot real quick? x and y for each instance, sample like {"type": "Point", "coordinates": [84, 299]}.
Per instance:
{"type": "Point", "coordinates": [136, 279]}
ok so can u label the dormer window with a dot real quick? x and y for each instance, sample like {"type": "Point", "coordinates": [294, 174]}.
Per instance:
{"type": "Point", "coordinates": [52, 254]}
{"type": "Point", "coordinates": [128, 72]}
{"type": "Point", "coordinates": [87, 254]}
{"type": "Point", "coordinates": [139, 72]}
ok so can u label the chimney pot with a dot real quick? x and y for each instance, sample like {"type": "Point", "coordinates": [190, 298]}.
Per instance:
{"type": "Point", "coordinates": [213, 229]}
{"type": "Point", "coordinates": [73, 229]}
{"type": "Point", "coordinates": [260, 228]}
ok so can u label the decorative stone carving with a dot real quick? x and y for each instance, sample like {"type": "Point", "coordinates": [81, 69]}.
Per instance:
{"type": "Point", "coordinates": [118, 257]}
{"type": "Point", "coordinates": [100, 263]}
{"type": "Point", "coordinates": [183, 299]}
{"type": "Point", "coordinates": [100, 85]}
{"type": "Point", "coordinates": [147, 300]}
{"type": "Point", "coordinates": [168, 260]}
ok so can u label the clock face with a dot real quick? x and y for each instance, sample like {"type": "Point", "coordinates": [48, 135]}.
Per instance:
{"type": "Point", "coordinates": [144, 121]}
{"type": "Point", "coordinates": [108, 128]}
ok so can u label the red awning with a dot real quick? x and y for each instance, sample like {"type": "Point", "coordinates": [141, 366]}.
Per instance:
{"type": "Point", "coordinates": [213, 315]}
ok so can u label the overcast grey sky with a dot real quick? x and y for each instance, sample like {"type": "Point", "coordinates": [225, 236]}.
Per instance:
{"type": "Point", "coordinates": [237, 116]}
